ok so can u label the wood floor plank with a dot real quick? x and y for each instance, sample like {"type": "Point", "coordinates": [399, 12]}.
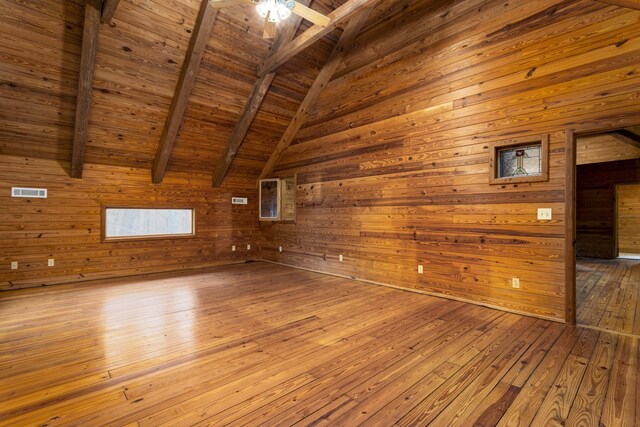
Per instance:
{"type": "Point", "coordinates": [607, 292]}
{"type": "Point", "coordinates": [620, 405]}
{"type": "Point", "coordinates": [555, 408]}
{"type": "Point", "coordinates": [524, 408]}
{"type": "Point", "coordinates": [587, 407]}
{"type": "Point", "coordinates": [263, 344]}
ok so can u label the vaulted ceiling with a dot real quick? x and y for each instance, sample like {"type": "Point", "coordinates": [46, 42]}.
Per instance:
{"type": "Point", "coordinates": [139, 57]}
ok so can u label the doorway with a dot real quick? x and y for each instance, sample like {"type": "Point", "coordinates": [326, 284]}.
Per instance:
{"type": "Point", "coordinates": [603, 217]}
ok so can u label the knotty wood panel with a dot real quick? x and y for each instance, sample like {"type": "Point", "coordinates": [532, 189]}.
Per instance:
{"type": "Point", "coordinates": [596, 205]}
{"type": "Point", "coordinates": [138, 63]}
{"type": "Point", "coordinates": [297, 348]}
{"type": "Point", "coordinates": [66, 225]}
{"type": "Point", "coordinates": [628, 210]}
{"type": "Point", "coordinates": [392, 164]}
{"type": "Point", "coordinates": [603, 148]}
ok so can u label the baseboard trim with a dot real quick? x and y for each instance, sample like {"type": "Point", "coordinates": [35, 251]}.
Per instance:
{"type": "Point", "coordinates": [7, 286]}
{"type": "Point", "coordinates": [419, 291]}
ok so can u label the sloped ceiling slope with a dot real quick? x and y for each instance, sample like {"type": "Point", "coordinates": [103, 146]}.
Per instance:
{"type": "Point", "coordinates": [138, 63]}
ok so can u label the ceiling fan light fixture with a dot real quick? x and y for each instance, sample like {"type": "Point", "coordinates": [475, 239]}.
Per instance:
{"type": "Point", "coordinates": [275, 10]}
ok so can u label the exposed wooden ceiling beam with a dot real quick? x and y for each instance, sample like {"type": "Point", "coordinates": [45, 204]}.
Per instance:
{"type": "Point", "coordinates": [260, 88]}
{"type": "Point", "coordinates": [631, 4]}
{"type": "Point", "coordinates": [345, 42]}
{"type": "Point", "coordinates": [627, 137]}
{"type": "Point", "coordinates": [186, 81]}
{"type": "Point", "coordinates": [108, 9]}
{"type": "Point", "coordinates": [313, 34]}
{"type": "Point", "coordinates": [90, 32]}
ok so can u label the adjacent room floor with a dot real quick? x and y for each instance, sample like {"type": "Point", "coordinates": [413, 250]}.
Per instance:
{"type": "Point", "coordinates": [607, 293]}
{"type": "Point", "coordinates": [262, 344]}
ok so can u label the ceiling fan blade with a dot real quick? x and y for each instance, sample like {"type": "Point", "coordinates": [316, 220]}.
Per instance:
{"type": "Point", "coordinates": [269, 29]}
{"type": "Point", "coordinates": [224, 3]}
{"type": "Point", "coordinates": [310, 15]}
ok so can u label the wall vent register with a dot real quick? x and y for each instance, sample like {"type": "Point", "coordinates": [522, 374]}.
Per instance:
{"type": "Point", "coordinates": [239, 200]}
{"type": "Point", "coordinates": [33, 193]}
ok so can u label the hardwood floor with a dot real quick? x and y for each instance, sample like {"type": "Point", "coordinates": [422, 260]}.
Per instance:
{"type": "Point", "coordinates": [262, 344]}
{"type": "Point", "coordinates": [607, 294]}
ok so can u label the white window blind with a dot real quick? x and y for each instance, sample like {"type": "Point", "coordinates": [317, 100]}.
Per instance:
{"type": "Point", "coordinates": [136, 222]}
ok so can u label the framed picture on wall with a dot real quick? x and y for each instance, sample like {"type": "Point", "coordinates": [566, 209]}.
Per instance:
{"type": "Point", "coordinates": [518, 160]}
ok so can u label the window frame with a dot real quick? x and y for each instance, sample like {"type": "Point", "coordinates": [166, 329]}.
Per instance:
{"type": "Point", "coordinates": [278, 199]}
{"type": "Point", "coordinates": [494, 147]}
{"type": "Point", "coordinates": [103, 224]}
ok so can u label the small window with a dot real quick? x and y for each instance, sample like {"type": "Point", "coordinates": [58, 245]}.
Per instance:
{"type": "Point", "coordinates": [519, 160]}
{"type": "Point", "coordinates": [270, 199]}
{"type": "Point", "coordinates": [140, 223]}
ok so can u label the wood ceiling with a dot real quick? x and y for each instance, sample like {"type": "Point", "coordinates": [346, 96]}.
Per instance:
{"type": "Point", "coordinates": [138, 61]}
{"type": "Point", "coordinates": [141, 49]}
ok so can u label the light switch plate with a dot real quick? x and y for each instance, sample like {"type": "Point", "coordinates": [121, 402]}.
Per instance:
{"type": "Point", "coordinates": [420, 269]}
{"type": "Point", "coordinates": [545, 214]}
{"type": "Point", "coordinates": [233, 248]}
{"type": "Point", "coordinates": [14, 265]}
{"type": "Point", "coordinates": [51, 262]}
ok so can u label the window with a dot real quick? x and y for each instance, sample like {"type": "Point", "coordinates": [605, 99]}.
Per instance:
{"type": "Point", "coordinates": [270, 199]}
{"type": "Point", "coordinates": [278, 199]}
{"type": "Point", "coordinates": [136, 223]}
{"type": "Point", "coordinates": [519, 160]}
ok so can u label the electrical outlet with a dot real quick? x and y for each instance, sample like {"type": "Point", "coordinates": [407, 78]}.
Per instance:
{"type": "Point", "coordinates": [280, 248]}
{"type": "Point", "coordinates": [420, 269]}
{"type": "Point", "coordinates": [341, 258]}
{"type": "Point", "coordinates": [51, 262]}
{"type": "Point", "coordinates": [545, 214]}
{"type": "Point", "coordinates": [233, 248]}
{"type": "Point", "coordinates": [248, 247]}
{"type": "Point", "coordinates": [515, 282]}
{"type": "Point", "coordinates": [14, 265]}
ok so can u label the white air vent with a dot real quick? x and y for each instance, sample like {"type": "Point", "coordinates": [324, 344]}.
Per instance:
{"type": "Point", "coordinates": [239, 200]}
{"type": "Point", "coordinates": [34, 193]}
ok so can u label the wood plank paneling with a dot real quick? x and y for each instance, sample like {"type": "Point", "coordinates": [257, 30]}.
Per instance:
{"type": "Point", "coordinates": [628, 211]}
{"type": "Point", "coordinates": [137, 67]}
{"type": "Point", "coordinates": [603, 148]}
{"type": "Point", "coordinates": [66, 225]}
{"type": "Point", "coordinates": [392, 163]}
{"type": "Point", "coordinates": [190, 66]}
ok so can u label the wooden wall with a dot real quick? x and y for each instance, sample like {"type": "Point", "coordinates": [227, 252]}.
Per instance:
{"type": "Point", "coordinates": [628, 210]}
{"type": "Point", "coordinates": [392, 165]}
{"type": "Point", "coordinates": [596, 205]}
{"type": "Point", "coordinates": [66, 225]}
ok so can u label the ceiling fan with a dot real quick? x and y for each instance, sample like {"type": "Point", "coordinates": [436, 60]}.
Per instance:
{"type": "Point", "coordinates": [274, 11]}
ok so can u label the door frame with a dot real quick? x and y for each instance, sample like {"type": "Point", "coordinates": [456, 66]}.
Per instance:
{"type": "Point", "coordinates": [571, 135]}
